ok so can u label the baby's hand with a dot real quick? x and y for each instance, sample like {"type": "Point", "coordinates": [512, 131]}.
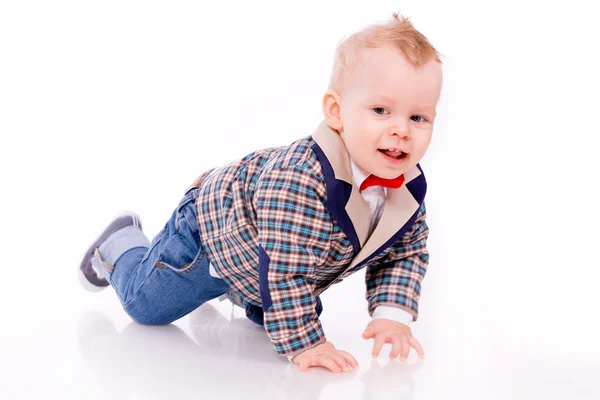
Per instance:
{"type": "Point", "coordinates": [399, 335]}
{"type": "Point", "coordinates": [327, 356]}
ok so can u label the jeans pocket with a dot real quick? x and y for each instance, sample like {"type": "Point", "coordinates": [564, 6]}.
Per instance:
{"type": "Point", "coordinates": [186, 211]}
{"type": "Point", "coordinates": [179, 247]}
{"type": "Point", "coordinates": [185, 269]}
{"type": "Point", "coordinates": [179, 252]}
{"type": "Point", "coordinates": [154, 243]}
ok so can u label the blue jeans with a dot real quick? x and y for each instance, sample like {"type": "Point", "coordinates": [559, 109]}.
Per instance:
{"type": "Point", "coordinates": [167, 280]}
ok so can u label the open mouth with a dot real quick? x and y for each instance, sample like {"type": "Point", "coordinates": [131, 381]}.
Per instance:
{"type": "Point", "coordinates": [395, 154]}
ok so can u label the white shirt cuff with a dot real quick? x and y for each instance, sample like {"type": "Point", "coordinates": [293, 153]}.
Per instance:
{"type": "Point", "coordinates": [393, 313]}
{"type": "Point", "coordinates": [290, 358]}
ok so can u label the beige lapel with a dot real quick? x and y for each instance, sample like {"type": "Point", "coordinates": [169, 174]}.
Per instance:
{"type": "Point", "coordinates": [400, 205]}
{"type": "Point", "coordinates": [335, 150]}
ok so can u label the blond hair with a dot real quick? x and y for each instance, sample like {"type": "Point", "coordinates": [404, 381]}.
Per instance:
{"type": "Point", "coordinates": [398, 33]}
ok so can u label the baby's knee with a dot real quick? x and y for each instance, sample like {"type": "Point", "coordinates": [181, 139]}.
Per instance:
{"type": "Point", "coordinates": [147, 315]}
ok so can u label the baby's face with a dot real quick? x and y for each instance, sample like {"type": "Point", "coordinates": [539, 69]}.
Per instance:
{"type": "Point", "coordinates": [387, 104]}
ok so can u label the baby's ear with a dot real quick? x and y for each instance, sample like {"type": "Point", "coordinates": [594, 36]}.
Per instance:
{"type": "Point", "coordinates": [331, 109]}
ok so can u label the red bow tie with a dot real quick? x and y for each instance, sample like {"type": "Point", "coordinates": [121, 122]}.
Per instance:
{"type": "Point", "coordinates": [373, 180]}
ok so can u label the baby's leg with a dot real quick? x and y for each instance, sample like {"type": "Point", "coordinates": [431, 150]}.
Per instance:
{"type": "Point", "coordinates": [165, 281]}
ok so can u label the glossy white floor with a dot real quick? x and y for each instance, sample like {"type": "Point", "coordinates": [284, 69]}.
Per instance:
{"type": "Point", "coordinates": [120, 104]}
{"type": "Point", "coordinates": [482, 341]}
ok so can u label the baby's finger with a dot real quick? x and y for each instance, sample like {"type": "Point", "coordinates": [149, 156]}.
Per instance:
{"type": "Point", "coordinates": [304, 363]}
{"type": "Point", "coordinates": [368, 333]}
{"type": "Point", "coordinates": [327, 362]}
{"type": "Point", "coordinates": [405, 348]}
{"type": "Point", "coordinates": [379, 342]}
{"type": "Point", "coordinates": [417, 346]}
{"type": "Point", "coordinates": [396, 346]}
{"type": "Point", "coordinates": [349, 358]}
{"type": "Point", "coordinates": [339, 360]}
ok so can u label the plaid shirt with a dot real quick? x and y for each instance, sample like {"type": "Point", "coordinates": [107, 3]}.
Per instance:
{"type": "Point", "coordinates": [282, 224]}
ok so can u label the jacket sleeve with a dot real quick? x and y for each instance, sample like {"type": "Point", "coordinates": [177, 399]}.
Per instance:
{"type": "Point", "coordinates": [396, 279]}
{"type": "Point", "coordinates": [294, 229]}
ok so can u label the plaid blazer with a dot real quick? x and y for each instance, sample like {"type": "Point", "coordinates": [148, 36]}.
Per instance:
{"type": "Point", "coordinates": [282, 224]}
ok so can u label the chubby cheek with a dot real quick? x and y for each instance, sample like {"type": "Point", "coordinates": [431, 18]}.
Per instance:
{"type": "Point", "coordinates": [363, 133]}
{"type": "Point", "coordinates": [420, 146]}
{"type": "Point", "coordinates": [360, 133]}
{"type": "Point", "coordinates": [369, 133]}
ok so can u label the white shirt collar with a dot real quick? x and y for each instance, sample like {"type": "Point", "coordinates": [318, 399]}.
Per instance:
{"type": "Point", "coordinates": [359, 175]}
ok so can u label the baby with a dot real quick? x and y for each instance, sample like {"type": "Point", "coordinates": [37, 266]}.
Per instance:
{"type": "Point", "coordinates": [273, 230]}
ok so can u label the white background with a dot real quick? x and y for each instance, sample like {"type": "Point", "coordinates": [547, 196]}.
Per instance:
{"type": "Point", "coordinates": [113, 105]}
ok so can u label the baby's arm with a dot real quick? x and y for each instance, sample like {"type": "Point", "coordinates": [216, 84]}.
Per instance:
{"type": "Point", "coordinates": [396, 281]}
{"type": "Point", "coordinates": [294, 228]}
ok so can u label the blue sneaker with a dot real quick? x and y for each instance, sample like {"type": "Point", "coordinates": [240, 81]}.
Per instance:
{"type": "Point", "coordinates": [95, 279]}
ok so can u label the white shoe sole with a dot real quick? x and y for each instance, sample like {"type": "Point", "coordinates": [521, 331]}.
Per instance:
{"type": "Point", "coordinates": [87, 285]}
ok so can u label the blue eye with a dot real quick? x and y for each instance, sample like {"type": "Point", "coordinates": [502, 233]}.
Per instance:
{"type": "Point", "coordinates": [418, 116]}
{"type": "Point", "coordinates": [379, 110]}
